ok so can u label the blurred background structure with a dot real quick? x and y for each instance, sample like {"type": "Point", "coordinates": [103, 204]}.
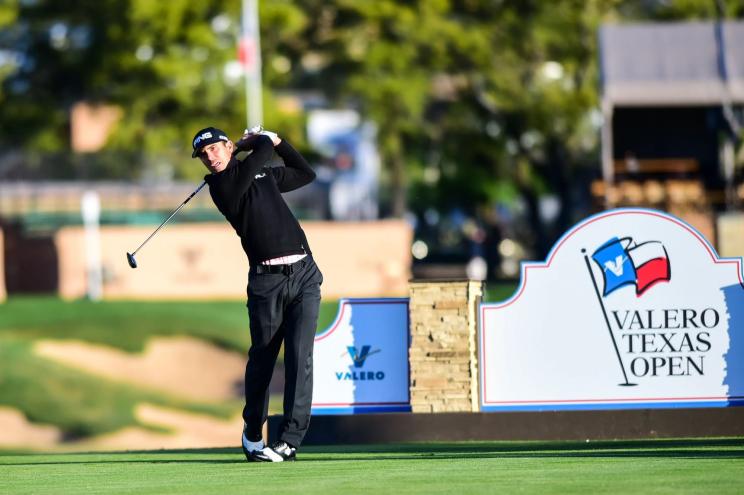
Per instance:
{"type": "Point", "coordinates": [672, 99]}
{"type": "Point", "coordinates": [451, 139]}
{"type": "Point", "coordinates": [490, 128]}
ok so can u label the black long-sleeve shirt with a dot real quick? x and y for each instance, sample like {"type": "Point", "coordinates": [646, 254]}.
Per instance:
{"type": "Point", "coordinates": [248, 194]}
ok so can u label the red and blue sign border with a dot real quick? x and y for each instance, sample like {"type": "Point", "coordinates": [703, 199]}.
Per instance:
{"type": "Point", "coordinates": [585, 404]}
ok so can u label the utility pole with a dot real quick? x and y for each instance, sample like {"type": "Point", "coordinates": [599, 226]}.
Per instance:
{"type": "Point", "coordinates": [732, 139]}
{"type": "Point", "coordinates": [250, 57]}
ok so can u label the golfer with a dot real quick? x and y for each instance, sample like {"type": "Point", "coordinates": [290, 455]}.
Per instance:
{"type": "Point", "coordinates": [283, 280]}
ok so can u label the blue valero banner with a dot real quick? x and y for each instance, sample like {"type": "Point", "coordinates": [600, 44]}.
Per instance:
{"type": "Point", "coordinates": [360, 363]}
{"type": "Point", "coordinates": [633, 308]}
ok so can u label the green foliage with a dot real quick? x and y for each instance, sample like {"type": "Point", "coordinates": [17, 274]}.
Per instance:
{"type": "Point", "coordinates": [466, 95]}
{"type": "Point", "coordinates": [8, 17]}
{"type": "Point", "coordinates": [163, 63]}
{"type": "Point", "coordinates": [683, 9]}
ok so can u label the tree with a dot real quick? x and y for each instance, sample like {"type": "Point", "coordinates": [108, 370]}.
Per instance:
{"type": "Point", "coordinates": [476, 101]}
{"type": "Point", "coordinates": [170, 65]}
{"type": "Point", "coordinates": [8, 60]}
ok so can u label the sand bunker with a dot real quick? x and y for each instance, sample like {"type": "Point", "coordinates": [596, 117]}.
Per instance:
{"type": "Point", "coordinates": [181, 366]}
{"type": "Point", "coordinates": [17, 431]}
{"type": "Point", "coordinates": [189, 431]}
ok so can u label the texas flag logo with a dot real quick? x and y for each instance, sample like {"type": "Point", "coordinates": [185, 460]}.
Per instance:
{"type": "Point", "coordinates": [624, 262]}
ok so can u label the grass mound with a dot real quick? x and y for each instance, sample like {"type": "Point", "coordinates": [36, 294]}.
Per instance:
{"type": "Point", "coordinates": [78, 403]}
{"type": "Point", "coordinates": [82, 404]}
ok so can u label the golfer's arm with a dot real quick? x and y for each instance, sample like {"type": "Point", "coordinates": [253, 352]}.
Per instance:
{"type": "Point", "coordinates": [296, 172]}
{"type": "Point", "coordinates": [257, 160]}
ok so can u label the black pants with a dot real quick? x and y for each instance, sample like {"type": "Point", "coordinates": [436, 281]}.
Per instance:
{"type": "Point", "coordinates": [282, 307]}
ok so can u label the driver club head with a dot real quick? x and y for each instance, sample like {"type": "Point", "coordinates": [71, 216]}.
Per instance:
{"type": "Point", "coordinates": [131, 260]}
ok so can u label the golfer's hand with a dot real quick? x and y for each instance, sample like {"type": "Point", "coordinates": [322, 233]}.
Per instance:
{"type": "Point", "coordinates": [247, 140]}
{"type": "Point", "coordinates": [274, 137]}
{"type": "Point", "coordinates": [250, 134]}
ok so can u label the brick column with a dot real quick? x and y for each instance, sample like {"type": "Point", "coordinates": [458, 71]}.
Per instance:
{"type": "Point", "coordinates": [443, 354]}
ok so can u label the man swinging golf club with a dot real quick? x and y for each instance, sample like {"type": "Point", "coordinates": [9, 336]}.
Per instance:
{"type": "Point", "coordinates": [283, 280]}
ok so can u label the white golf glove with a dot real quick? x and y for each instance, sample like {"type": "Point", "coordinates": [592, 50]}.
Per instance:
{"type": "Point", "coordinates": [258, 129]}
{"type": "Point", "coordinates": [243, 144]}
{"type": "Point", "coordinates": [273, 135]}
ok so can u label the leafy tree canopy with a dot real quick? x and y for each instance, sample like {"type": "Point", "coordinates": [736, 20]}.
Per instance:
{"type": "Point", "coordinates": [476, 101]}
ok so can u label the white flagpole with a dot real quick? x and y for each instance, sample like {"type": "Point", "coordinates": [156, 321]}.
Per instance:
{"type": "Point", "coordinates": [251, 43]}
{"type": "Point", "coordinates": [607, 321]}
{"type": "Point", "coordinates": [91, 211]}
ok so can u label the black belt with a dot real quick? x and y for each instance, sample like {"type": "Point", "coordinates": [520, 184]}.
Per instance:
{"type": "Point", "coordinates": [283, 269]}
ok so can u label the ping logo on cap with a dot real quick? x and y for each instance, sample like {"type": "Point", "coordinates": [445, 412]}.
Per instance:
{"type": "Point", "coordinates": [201, 137]}
{"type": "Point", "coordinates": [207, 136]}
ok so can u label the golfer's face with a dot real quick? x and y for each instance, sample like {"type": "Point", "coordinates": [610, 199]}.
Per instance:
{"type": "Point", "coordinates": [216, 156]}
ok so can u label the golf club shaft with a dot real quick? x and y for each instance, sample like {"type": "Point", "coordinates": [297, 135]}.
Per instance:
{"type": "Point", "coordinates": [171, 216]}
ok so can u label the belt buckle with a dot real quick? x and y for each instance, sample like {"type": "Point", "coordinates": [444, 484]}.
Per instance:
{"type": "Point", "coordinates": [290, 269]}
{"type": "Point", "coordinates": [263, 269]}
{"type": "Point", "coordinates": [293, 267]}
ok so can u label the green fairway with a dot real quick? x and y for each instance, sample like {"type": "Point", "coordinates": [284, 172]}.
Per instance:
{"type": "Point", "coordinates": [653, 466]}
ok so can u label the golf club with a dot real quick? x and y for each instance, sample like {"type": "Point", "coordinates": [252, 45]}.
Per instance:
{"type": "Point", "coordinates": [130, 256]}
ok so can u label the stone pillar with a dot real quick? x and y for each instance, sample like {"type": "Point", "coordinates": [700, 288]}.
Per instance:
{"type": "Point", "coordinates": [443, 354]}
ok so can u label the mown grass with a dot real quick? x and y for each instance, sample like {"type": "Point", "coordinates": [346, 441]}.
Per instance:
{"type": "Point", "coordinates": [647, 466]}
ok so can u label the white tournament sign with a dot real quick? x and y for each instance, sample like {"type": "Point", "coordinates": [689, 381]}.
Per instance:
{"type": "Point", "coordinates": [633, 308]}
{"type": "Point", "coordinates": [360, 362]}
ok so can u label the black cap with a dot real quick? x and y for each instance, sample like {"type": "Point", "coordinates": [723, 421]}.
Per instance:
{"type": "Point", "coordinates": [206, 136]}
